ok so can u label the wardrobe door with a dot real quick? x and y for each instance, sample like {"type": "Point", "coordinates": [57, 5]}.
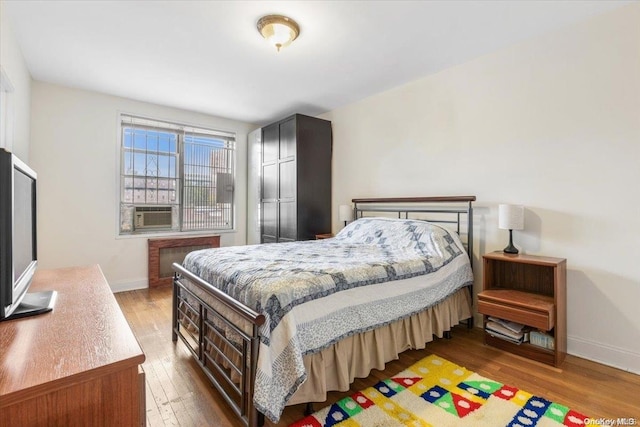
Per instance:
{"type": "Point", "coordinates": [287, 218]}
{"type": "Point", "coordinates": [269, 187]}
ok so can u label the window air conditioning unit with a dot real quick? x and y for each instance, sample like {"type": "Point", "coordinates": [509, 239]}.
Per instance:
{"type": "Point", "coordinates": [147, 217]}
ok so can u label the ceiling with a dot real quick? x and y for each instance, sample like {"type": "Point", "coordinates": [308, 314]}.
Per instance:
{"type": "Point", "coordinates": [207, 56]}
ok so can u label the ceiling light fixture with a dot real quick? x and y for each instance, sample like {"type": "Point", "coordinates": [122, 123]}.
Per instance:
{"type": "Point", "coordinates": [279, 30]}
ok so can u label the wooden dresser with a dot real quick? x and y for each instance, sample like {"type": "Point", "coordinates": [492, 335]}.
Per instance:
{"type": "Point", "coordinates": [77, 365]}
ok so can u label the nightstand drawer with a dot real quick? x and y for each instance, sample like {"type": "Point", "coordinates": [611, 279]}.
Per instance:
{"type": "Point", "coordinates": [529, 309]}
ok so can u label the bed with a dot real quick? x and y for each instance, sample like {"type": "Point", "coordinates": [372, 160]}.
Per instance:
{"type": "Point", "coordinates": [278, 324]}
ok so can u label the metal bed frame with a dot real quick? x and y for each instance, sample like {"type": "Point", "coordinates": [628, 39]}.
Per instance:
{"type": "Point", "coordinates": [194, 320]}
{"type": "Point", "coordinates": [463, 210]}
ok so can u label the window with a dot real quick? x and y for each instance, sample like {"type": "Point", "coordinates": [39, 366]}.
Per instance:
{"type": "Point", "coordinates": [174, 177]}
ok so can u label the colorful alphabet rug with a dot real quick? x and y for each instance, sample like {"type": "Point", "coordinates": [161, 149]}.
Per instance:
{"type": "Point", "coordinates": [435, 392]}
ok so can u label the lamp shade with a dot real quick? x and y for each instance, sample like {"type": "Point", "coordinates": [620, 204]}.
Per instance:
{"type": "Point", "coordinates": [345, 213]}
{"type": "Point", "coordinates": [511, 217]}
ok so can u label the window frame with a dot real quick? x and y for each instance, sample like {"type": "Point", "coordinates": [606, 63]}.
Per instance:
{"type": "Point", "coordinates": [182, 129]}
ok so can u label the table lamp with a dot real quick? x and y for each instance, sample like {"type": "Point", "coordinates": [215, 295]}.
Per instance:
{"type": "Point", "coordinates": [345, 213]}
{"type": "Point", "coordinates": [511, 217]}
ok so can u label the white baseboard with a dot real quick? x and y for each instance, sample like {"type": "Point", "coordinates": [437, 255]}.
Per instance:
{"type": "Point", "coordinates": [129, 286]}
{"type": "Point", "coordinates": [603, 353]}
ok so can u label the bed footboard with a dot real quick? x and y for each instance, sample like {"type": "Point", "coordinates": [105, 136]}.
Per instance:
{"type": "Point", "coordinates": [229, 363]}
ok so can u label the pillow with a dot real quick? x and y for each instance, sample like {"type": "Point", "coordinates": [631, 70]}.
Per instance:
{"type": "Point", "coordinates": [423, 237]}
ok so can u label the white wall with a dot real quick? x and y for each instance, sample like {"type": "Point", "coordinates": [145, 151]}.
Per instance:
{"type": "Point", "coordinates": [74, 149]}
{"type": "Point", "coordinates": [254, 160]}
{"type": "Point", "coordinates": [554, 124]}
{"type": "Point", "coordinates": [17, 101]}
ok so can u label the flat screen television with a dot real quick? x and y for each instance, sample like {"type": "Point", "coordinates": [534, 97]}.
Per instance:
{"type": "Point", "coordinates": [18, 243]}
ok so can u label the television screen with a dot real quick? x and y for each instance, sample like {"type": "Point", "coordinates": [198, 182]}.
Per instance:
{"type": "Point", "coordinates": [23, 224]}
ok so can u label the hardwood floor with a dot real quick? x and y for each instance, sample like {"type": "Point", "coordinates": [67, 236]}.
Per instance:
{"type": "Point", "coordinates": [178, 394]}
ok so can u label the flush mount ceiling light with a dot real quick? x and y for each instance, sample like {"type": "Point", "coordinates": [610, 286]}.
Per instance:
{"type": "Point", "coordinates": [279, 30]}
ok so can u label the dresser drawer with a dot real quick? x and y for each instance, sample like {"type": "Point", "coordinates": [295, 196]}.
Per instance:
{"type": "Point", "coordinates": [532, 310]}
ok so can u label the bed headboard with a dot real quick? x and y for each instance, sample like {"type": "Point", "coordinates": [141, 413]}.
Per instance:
{"type": "Point", "coordinates": [454, 212]}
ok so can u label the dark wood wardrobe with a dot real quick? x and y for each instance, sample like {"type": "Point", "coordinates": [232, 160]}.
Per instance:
{"type": "Point", "coordinates": [295, 190]}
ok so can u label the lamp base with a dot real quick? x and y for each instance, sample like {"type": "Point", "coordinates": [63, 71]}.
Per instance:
{"type": "Point", "coordinates": [510, 249]}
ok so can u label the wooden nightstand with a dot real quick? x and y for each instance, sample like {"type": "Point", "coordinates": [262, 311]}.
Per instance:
{"type": "Point", "coordinates": [324, 236]}
{"type": "Point", "coordinates": [531, 290]}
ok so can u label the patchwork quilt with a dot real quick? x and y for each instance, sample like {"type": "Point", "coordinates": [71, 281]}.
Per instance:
{"type": "Point", "coordinates": [359, 276]}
